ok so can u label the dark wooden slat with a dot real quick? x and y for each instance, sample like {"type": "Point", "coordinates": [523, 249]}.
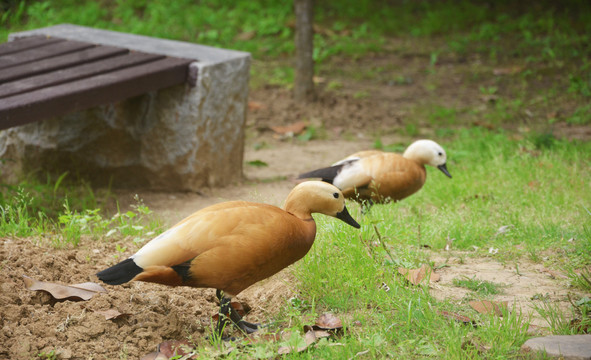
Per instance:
{"type": "Point", "coordinates": [98, 90]}
{"type": "Point", "coordinates": [59, 62]}
{"type": "Point", "coordinates": [42, 52]}
{"type": "Point", "coordinates": [75, 73]}
{"type": "Point", "coordinates": [26, 43]}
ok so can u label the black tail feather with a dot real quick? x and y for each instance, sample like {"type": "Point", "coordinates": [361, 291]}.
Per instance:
{"type": "Point", "coordinates": [120, 273]}
{"type": "Point", "coordinates": [326, 174]}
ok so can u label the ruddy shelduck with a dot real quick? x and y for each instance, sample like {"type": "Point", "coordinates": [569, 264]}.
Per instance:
{"type": "Point", "coordinates": [377, 177]}
{"type": "Point", "coordinates": [232, 245]}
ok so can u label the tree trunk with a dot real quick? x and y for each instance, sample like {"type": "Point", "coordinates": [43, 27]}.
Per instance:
{"type": "Point", "coordinates": [304, 44]}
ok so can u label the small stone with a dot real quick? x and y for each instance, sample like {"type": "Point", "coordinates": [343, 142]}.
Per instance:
{"type": "Point", "coordinates": [567, 347]}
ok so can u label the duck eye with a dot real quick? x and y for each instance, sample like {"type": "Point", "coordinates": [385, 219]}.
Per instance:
{"type": "Point", "coordinates": [336, 195]}
{"type": "Point", "coordinates": [440, 153]}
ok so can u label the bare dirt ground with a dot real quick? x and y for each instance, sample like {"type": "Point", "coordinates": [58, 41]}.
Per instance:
{"type": "Point", "coordinates": [32, 324]}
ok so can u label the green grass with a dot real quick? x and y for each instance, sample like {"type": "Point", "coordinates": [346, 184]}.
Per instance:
{"type": "Point", "coordinates": [63, 214]}
{"type": "Point", "coordinates": [539, 191]}
{"type": "Point", "coordinates": [536, 185]}
{"type": "Point", "coordinates": [349, 28]}
{"type": "Point", "coordinates": [482, 287]}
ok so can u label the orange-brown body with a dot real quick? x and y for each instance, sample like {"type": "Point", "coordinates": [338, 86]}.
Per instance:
{"type": "Point", "coordinates": [380, 176]}
{"type": "Point", "coordinates": [230, 246]}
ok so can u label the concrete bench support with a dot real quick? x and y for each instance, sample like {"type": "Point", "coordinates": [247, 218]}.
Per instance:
{"type": "Point", "coordinates": [183, 137]}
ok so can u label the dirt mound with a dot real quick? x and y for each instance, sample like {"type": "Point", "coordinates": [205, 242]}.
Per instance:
{"type": "Point", "coordinates": [33, 323]}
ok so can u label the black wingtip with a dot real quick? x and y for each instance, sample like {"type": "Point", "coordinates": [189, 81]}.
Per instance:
{"type": "Point", "coordinates": [120, 273]}
{"type": "Point", "coordinates": [326, 174]}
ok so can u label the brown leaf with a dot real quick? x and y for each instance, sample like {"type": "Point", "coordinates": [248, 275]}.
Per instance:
{"type": "Point", "coordinates": [83, 291]}
{"type": "Point", "coordinates": [416, 276]}
{"type": "Point", "coordinates": [484, 124]}
{"type": "Point", "coordinates": [246, 35]}
{"type": "Point", "coordinates": [309, 337]}
{"type": "Point", "coordinates": [319, 333]}
{"type": "Point", "coordinates": [488, 307]}
{"type": "Point", "coordinates": [328, 321]}
{"type": "Point", "coordinates": [456, 317]}
{"type": "Point", "coordinates": [553, 274]}
{"type": "Point", "coordinates": [580, 326]}
{"type": "Point", "coordinates": [473, 344]}
{"type": "Point", "coordinates": [284, 350]}
{"type": "Point", "coordinates": [292, 129]}
{"type": "Point", "coordinates": [175, 347]}
{"type": "Point", "coordinates": [318, 79]}
{"type": "Point", "coordinates": [508, 70]}
{"type": "Point", "coordinates": [111, 313]}
{"type": "Point", "coordinates": [255, 105]}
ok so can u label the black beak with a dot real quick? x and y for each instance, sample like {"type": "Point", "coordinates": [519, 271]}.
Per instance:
{"type": "Point", "coordinates": [344, 215]}
{"type": "Point", "coordinates": [443, 169]}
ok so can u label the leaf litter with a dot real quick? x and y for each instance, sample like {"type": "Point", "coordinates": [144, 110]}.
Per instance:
{"type": "Point", "coordinates": [84, 291]}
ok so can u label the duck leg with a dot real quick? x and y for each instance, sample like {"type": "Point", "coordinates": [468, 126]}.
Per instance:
{"type": "Point", "coordinates": [226, 312]}
{"type": "Point", "coordinates": [222, 315]}
{"type": "Point", "coordinates": [366, 206]}
{"type": "Point", "coordinates": [245, 326]}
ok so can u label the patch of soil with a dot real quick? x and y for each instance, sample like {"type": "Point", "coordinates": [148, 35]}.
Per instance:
{"type": "Point", "coordinates": [32, 323]}
{"type": "Point", "coordinates": [520, 286]}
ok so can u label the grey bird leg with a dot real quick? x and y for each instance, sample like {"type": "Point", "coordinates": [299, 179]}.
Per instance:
{"type": "Point", "coordinates": [222, 317]}
{"type": "Point", "coordinates": [226, 312]}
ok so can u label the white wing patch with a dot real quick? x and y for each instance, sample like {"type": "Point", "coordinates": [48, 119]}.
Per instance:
{"type": "Point", "coordinates": [346, 160]}
{"type": "Point", "coordinates": [158, 244]}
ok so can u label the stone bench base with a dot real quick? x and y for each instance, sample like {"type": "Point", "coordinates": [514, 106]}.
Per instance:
{"type": "Point", "coordinates": [180, 138]}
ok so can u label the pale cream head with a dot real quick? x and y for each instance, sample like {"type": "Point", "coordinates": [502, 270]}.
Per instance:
{"type": "Point", "coordinates": [426, 152]}
{"type": "Point", "coordinates": [318, 197]}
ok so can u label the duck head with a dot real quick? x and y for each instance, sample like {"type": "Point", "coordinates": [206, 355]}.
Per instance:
{"type": "Point", "coordinates": [318, 197]}
{"type": "Point", "coordinates": [428, 152]}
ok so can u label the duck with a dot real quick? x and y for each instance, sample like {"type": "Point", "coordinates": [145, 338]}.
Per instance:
{"type": "Point", "coordinates": [233, 245]}
{"type": "Point", "coordinates": [375, 176]}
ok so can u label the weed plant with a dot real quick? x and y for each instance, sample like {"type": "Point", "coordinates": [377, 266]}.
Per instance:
{"type": "Point", "coordinates": [23, 214]}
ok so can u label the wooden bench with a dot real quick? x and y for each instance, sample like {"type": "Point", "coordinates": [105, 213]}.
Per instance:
{"type": "Point", "coordinates": [43, 77]}
{"type": "Point", "coordinates": [121, 109]}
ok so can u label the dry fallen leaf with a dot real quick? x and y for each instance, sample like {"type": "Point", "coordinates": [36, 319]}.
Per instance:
{"type": "Point", "coordinates": [456, 317]}
{"type": "Point", "coordinates": [328, 322]}
{"type": "Point", "coordinates": [83, 291]}
{"type": "Point", "coordinates": [508, 70]}
{"type": "Point", "coordinates": [292, 129]}
{"type": "Point", "coordinates": [553, 274]}
{"type": "Point", "coordinates": [488, 307]}
{"type": "Point", "coordinates": [319, 333]}
{"type": "Point", "coordinates": [416, 276]}
{"type": "Point", "coordinates": [472, 343]}
{"type": "Point", "coordinates": [111, 314]}
{"type": "Point", "coordinates": [309, 338]}
{"type": "Point", "coordinates": [326, 325]}
{"type": "Point", "coordinates": [246, 35]}
{"type": "Point", "coordinates": [175, 348]}
{"type": "Point", "coordinates": [255, 105]}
